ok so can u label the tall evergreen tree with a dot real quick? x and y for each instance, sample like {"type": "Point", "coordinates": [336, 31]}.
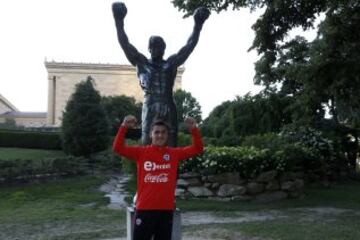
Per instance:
{"type": "Point", "coordinates": [84, 125]}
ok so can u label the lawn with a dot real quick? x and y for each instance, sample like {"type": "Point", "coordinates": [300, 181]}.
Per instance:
{"type": "Point", "coordinates": [73, 208]}
{"type": "Point", "coordinates": [324, 213]}
{"type": "Point", "coordinates": [27, 153]}
{"type": "Point", "coordinates": [65, 209]}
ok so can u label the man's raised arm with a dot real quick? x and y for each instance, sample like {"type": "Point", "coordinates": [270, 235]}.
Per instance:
{"type": "Point", "coordinates": [197, 146]}
{"type": "Point", "coordinates": [119, 145]}
{"type": "Point", "coordinates": [131, 53]}
{"type": "Point", "coordinates": [200, 16]}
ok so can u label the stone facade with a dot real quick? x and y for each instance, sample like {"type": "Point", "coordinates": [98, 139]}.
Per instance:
{"type": "Point", "coordinates": [6, 106]}
{"type": "Point", "coordinates": [110, 80]}
{"type": "Point", "coordinates": [25, 119]}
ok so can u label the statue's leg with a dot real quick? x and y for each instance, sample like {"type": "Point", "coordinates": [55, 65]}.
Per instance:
{"type": "Point", "coordinates": [172, 119]}
{"type": "Point", "coordinates": [146, 123]}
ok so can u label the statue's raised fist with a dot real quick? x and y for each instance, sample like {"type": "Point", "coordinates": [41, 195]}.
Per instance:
{"type": "Point", "coordinates": [119, 10]}
{"type": "Point", "coordinates": [201, 14]}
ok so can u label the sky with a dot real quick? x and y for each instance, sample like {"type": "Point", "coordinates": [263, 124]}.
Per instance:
{"type": "Point", "coordinates": [219, 69]}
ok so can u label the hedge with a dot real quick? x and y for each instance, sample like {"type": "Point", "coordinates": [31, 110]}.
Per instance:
{"type": "Point", "coordinates": [28, 169]}
{"type": "Point", "coordinates": [250, 161]}
{"type": "Point", "coordinates": [26, 139]}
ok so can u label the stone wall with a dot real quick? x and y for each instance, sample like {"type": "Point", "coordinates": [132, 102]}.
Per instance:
{"type": "Point", "coordinates": [266, 187]}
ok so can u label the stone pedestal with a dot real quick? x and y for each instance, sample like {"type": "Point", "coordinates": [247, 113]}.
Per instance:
{"type": "Point", "coordinates": [176, 230]}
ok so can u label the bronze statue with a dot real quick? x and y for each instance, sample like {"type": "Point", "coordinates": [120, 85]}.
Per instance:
{"type": "Point", "coordinates": [157, 75]}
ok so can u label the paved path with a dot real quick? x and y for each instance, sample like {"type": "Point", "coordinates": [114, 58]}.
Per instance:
{"type": "Point", "coordinates": [115, 190]}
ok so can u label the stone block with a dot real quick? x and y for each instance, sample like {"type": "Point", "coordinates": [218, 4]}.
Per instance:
{"type": "Point", "coordinates": [254, 188]}
{"type": "Point", "coordinates": [193, 182]}
{"type": "Point", "coordinates": [273, 186]}
{"type": "Point", "coordinates": [189, 175]}
{"type": "Point", "coordinates": [182, 183]}
{"type": "Point", "coordinates": [288, 186]}
{"type": "Point", "coordinates": [266, 177]}
{"type": "Point", "coordinates": [229, 190]}
{"type": "Point", "coordinates": [179, 192]}
{"type": "Point", "coordinates": [200, 191]}
{"type": "Point", "coordinates": [226, 178]}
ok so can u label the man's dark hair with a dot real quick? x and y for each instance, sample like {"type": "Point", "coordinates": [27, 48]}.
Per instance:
{"type": "Point", "coordinates": [160, 122]}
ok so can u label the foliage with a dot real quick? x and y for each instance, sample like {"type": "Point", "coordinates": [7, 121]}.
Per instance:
{"type": "Point", "coordinates": [27, 139]}
{"type": "Point", "coordinates": [187, 106]}
{"type": "Point", "coordinates": [320, 78]}
{"type": "Point", "coordinates": [184, 139]}
{"type": "Point", "coordinates": [117, 107]}
{"type": "Point", "coordinates": [215, 124]}
{"type": "Point", "coordinates": [250, 161]}
{"type": "Point", "coordinates": [273, 141]}
{"type": "Point", "coordinates": [27, 168]}
{"type": "Point", "coordinates": [245, 116]}
{"type": "Point", "coordinates": [318, 73]}
{"type": "Point", "coordinates": [84, 125]}
{"type": "Point", "coordinates": [329, 157]}
{"type": "Point", "coordinates": [25, 153]}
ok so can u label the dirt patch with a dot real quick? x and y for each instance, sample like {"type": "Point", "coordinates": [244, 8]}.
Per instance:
{"type": "Point", "coordinates": [218, 234]}
{"type": "Point", "coordinates": [195, 218]}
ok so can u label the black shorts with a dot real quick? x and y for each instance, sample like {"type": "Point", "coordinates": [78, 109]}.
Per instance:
{"type": "Point", "coordinates": [153, 223]}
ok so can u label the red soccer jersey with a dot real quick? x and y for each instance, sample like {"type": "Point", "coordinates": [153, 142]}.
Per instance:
{"type": "Point", "coordinates": [156, 169]}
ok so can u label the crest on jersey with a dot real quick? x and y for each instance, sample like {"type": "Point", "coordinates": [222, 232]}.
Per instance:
{"type": "Point", "coordinates": [166, 157]}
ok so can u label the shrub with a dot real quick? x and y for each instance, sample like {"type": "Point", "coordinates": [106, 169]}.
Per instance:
{"type": "Point", "coordinates": [25, 139]}
{"type": "Point", "coordinates": [28, 169]}
{"type": "Point", "coordinates": [250, 161]}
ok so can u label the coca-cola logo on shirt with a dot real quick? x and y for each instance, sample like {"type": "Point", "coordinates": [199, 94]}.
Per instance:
{"type": "Point", "coordinates": [151, 166]}
{"type": "Point", "coordinates": [161, 178]}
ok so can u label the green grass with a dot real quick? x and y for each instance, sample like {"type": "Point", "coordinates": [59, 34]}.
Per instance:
{"type": "Point", "coordinates": [27, 153]}
{"type": "Point", "coordinates": [296, 224]}
{"type": "Point", "coordinates": [73, 208]}
{"type": "Point", "coordinates": [294, 228]}
{"type": "Point", "coordinates": [66, 209]}
{"type": "Point", "coordinates": [344, 195]}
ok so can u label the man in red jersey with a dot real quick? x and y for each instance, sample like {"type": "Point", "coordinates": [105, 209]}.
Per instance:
{"type": "Point", "coordinates": [156, 176]}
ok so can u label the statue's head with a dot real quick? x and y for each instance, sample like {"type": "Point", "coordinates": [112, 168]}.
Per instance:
{"type": "Point", "coordinates": [157, 47]}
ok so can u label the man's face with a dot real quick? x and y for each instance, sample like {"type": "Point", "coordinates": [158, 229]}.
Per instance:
{"type": "Point", "coordinates": [159, 136]}
{"type": "Point", "coordinates": [157, 50]}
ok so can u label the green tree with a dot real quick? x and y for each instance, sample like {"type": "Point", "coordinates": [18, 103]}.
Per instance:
{"type": "Point", "coordinates": [321, 73]}
{"type": "Point", "coordinates": [117, 107]}
{"type": "Point", "coordinates": [84, 125]}
{"type": "Point", "coordinates": [186, 105]}
{"type": "Point", "coordinates": [248, 115]}
{"type": "Point", "coordinates": [217, 120]}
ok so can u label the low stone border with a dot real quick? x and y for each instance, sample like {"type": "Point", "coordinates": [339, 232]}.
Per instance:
{"type": "Point", "coordinates": [266, 187]}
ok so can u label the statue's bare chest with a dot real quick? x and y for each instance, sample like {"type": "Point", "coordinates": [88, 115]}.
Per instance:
{"type": "Point", "coordinates": [156, 78]}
